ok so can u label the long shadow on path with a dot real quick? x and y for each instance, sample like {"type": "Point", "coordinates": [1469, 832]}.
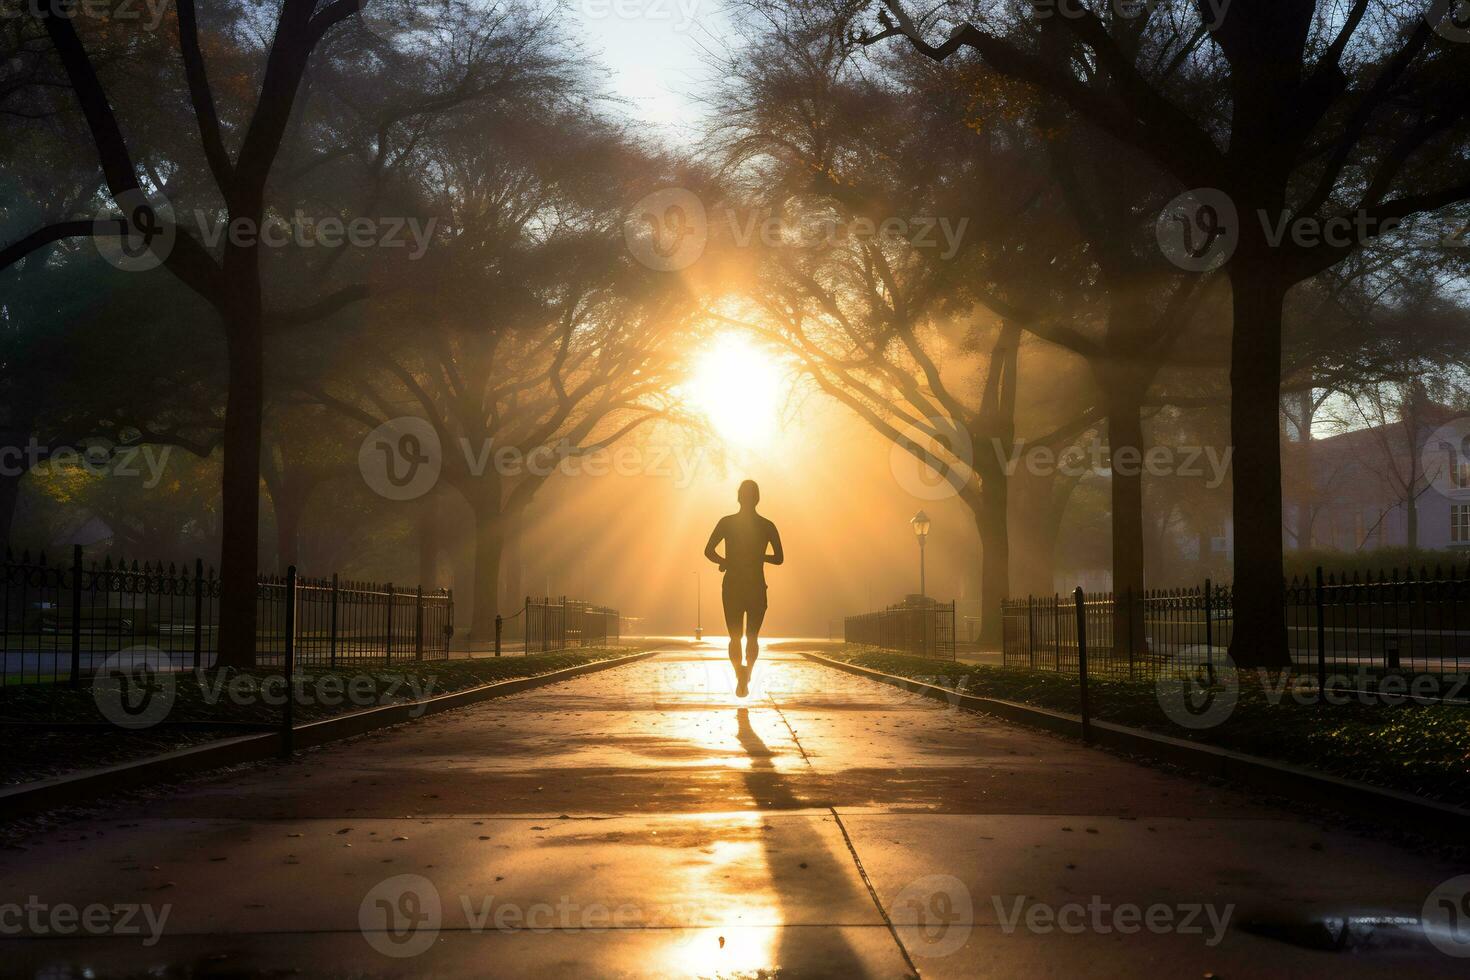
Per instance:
{"type": "Point", "coordinates": [797, 879]}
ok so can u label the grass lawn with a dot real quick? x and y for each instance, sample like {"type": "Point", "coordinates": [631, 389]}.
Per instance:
{"type": "Point", "coordinates": [54, 729]}
{"type": "Point", "coordinates": [1419, 749]}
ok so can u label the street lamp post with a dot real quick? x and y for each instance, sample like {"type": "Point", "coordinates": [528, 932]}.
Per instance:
{"type": "Point", "coordinates": [698, 610]}
{"type": "Point", "coordinates": [920, 524]}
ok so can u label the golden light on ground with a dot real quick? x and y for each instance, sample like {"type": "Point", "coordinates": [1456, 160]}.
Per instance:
{"type": "Point", "coordinates": [739, 388]}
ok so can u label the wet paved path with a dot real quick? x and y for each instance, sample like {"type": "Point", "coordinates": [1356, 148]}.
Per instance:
{"type": "Point", "coordinates": [645, 822]}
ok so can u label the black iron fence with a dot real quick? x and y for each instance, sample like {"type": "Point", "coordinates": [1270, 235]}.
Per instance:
{"type": "Point", "coordinates": [918, 630]}
{"type": "Point", "coordinates": [1389, 622]}
{"type": "Point", "coordinates": [545, 624]}
{"type": "Point", "coordinates": [354, 622]}
{"type": "Point", "coordinates": [60, 623]}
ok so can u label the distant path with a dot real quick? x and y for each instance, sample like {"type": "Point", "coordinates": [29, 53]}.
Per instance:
{"type": "Point", "coordinates": [826, 826]}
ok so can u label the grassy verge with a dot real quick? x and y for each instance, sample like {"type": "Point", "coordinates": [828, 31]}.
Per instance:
{"type": "Point", "coordinates": [55, 730]}
{"type": "Point", "coordinates": [1419, 749]}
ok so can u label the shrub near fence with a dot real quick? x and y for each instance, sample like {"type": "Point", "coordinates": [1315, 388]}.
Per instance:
{"type": "Point", "coordinates": [918, 630]}
{"type": "Point", "coordinates": [1389, 622]}
{"type": "Point", "coordinates": [59, 623]}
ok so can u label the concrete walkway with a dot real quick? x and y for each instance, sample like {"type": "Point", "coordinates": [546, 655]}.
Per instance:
{"type": "Point", "coordinates": [645, 822]}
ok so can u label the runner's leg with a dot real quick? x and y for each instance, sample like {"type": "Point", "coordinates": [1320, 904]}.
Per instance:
{"type": "Point", "coordinates": [754, 616]}
{"type": "Point", "coordinates": [734, 620]}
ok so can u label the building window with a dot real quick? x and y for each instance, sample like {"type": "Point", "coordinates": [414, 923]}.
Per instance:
{"type": "Point", "coordinates": [1460, 475]}
{"type": "Point", "coordinates": [1460, 523]}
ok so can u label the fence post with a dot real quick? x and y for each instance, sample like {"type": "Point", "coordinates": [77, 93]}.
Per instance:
{"type": "Point", "coordinates": [1082, 660]}
{"type": "Point", "coordinates": [76, 616]}
{"type": "Point", "coordinates": [288, 713]}
{"type": "Point", "coordinates": [954, 608]}
{"type": "Point", "coordinates": [418, 623]}
{"type": "Point", "coordinates": [1209, 634]}
{"type": "Point", "coordinates": [1031, 629]}
{"type": "Point", "coordinates": [388, 640]}
{"type": "Point", "coordinates": [1056, 632]}
{"type": "Point", "coordinates": [499, 626]}
{"type": "Point", "coordinates": [1129, 598]}
{"type": "Point", "coordinates": [1321, 635]}
{"type": "Point", "coordinates": [332, 626]}
{"type": "Point", "coordinates": [198, 612]}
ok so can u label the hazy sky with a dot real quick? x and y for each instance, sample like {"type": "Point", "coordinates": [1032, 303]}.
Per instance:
{"type": "Point", "coordinates": [654, 50]}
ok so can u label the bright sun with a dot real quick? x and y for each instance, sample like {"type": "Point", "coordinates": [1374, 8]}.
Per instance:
{"type": "Point", "coordinates": [738, 387]}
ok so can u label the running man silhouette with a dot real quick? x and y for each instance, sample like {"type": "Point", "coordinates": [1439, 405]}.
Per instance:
{"type": "Point", "coordinates": [747, 536]}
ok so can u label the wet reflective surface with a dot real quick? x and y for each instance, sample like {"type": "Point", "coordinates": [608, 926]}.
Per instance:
{"type": "Point", "coordinates": [645, 822]}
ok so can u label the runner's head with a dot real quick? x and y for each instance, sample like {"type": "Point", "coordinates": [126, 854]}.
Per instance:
{"type": "Point", "coordinates": [749, 494]}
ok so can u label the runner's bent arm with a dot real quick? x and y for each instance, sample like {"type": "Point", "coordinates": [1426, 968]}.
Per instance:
{"type": "Point", "coordinates": [715, 537]}
{"type": "Point", "coordinates": [779, 556]}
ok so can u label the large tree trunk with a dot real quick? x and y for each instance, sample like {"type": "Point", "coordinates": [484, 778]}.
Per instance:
{"type": "Point", "coordinates": [1125, 434]}
{"type": "Point", "coordinates": [489, 545]}
{"type": "Point", "coordinates": [514, 570]}
{"type": "Point", "coordinates": [428, 535]}
{"type": "Point", "coordinates": [240, 528]}
{"type": "Point", "coordinates": [995, 566]}
{"type": "Point", "coordinates": [9, 496]}
{"type": "Point", "coordinates": [1306, 509]}
{"type": "Point", "coordinates": [1259, 637]}
{"type": "Point", "coordinates": [1034, 525]}
{"type": "Point", "coordinates": [288, 506]}
{"type": "Point", "coordinates": [990, 510]}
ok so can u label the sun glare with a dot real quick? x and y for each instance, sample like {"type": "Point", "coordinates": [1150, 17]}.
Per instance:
{"type": "Point", "coordinates": [737, 386]}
